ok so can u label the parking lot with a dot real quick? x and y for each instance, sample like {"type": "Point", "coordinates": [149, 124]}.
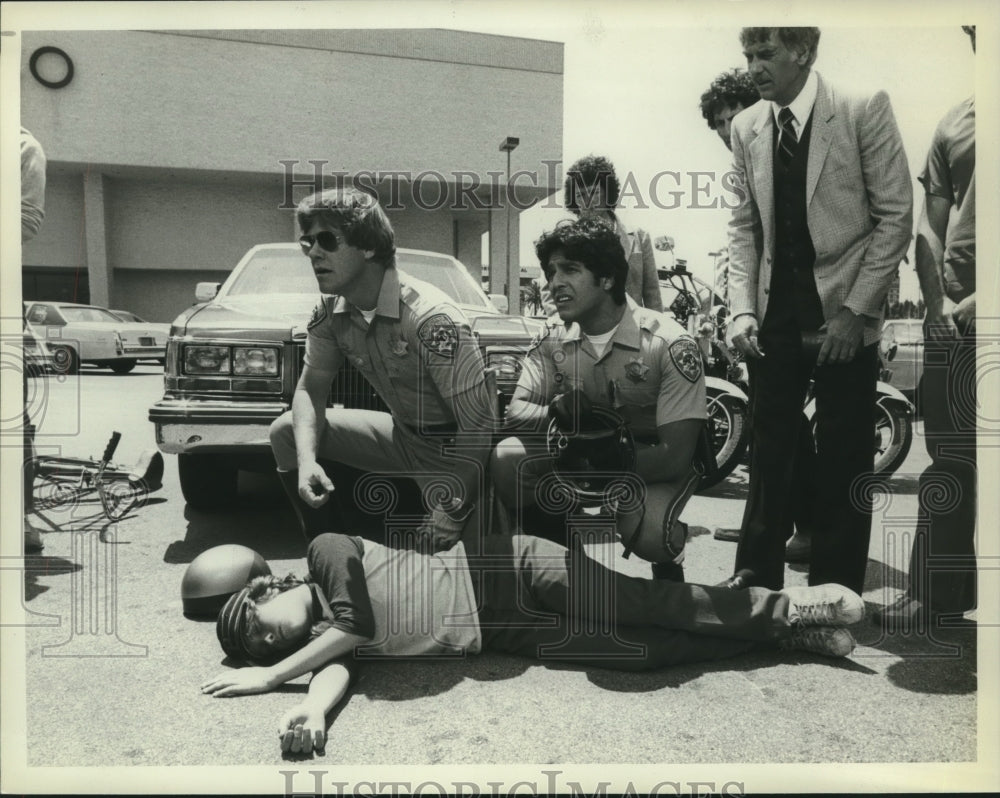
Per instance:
{"type": "Point", "coordinates": [113, 667]}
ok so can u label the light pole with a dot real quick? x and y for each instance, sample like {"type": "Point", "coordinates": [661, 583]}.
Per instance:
{"type": "Point", "coordinates": [715, 270]}
{"type": "Point", "coordinates": [508, 145]}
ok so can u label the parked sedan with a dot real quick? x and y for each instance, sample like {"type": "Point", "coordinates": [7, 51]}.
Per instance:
{"type": "Point", "coordinates": [145, 328]}
{"type": "Point", "coordinates": [37, 358]}
{"type": "Point", "coordinates": [234, 359]}
{"type": "Point", "coordinates": [78, 334]}
{"type": "Point", "coordinates": [903, 346]}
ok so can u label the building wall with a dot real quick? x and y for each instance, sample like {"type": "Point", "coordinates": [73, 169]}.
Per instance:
{"type": "Point", "coordinates": [165, 150]}
{"type": "Point", "coordinates": [173, 100]}
{"type": "Point", "coordinates": [60, 241]}
{"type": "Point", "coordinates": [159, 294]}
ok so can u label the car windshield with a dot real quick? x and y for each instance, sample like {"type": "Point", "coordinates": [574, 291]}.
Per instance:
{"type": "Point", "coordinates": [88, 314]}
{"type": "Point", "coordinates": [907, 333]}
{"type": "Point", "coordinates": [287, 271]}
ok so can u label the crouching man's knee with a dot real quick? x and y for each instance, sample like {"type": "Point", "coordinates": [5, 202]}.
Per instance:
{"type": "Point", "coordinates": [504, 469]}
{"type": "Point", "coordinates": [282, 437]}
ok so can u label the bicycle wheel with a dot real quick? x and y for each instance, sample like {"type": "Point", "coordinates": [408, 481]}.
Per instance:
{"type": "Point", "coordinates": [49, 492]}
{"type": "Point", "coordinates": [120, 496]}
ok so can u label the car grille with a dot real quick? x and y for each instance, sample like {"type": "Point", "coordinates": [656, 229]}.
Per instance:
{"type": "Point", "coordinates": [350, 388]}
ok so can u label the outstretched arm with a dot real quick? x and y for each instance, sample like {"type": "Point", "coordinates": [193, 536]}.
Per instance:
{"type": "Point", "coordinates": [332, 644]}
{"type": "Point", "coordinates": [303, 727]}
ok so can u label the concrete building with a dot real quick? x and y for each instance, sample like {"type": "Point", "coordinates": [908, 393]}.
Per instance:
{"type": "Point", "coordinates": [170, 153]}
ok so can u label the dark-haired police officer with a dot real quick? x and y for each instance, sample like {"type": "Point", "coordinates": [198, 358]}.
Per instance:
{"type": "Point", "coordinates": [606, 350]}
{"type": "Point", "coordinates": [416, 349]}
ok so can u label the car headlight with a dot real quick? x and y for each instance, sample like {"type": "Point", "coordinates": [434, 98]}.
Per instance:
{"type": "Point", "coordinates": [507, 364]}
{"type": "Point", "coordinates": [206, 360]}
{"type": "Point", "coordinates": [255, 360]}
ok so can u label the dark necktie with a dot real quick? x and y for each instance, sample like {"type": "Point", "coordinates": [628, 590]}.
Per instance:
{"type": "Point", "coordinates": [788, 142]}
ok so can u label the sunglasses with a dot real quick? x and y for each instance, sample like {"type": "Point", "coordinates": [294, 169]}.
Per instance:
{"type": "Point", "coordinates": [325, 239]}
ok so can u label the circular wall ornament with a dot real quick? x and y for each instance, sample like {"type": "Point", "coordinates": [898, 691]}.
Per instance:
{"type": "Point", "coordinates": [52, 84]}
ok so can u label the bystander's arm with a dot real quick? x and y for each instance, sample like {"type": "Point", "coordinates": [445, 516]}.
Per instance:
{"type": "Point", "coordinates": [931, 230]}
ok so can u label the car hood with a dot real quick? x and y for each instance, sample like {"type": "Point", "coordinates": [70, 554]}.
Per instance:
{"type": "Point", "coordinates": [275, 317]}
{"type": "Point", "coordinates": [267, 317]}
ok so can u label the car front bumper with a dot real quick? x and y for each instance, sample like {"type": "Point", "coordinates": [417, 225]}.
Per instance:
{"type": "Point", "coordinates": [204, 425]}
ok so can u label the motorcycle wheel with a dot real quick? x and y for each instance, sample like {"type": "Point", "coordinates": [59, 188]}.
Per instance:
{"type": "Point", "coordinates": [893, 438]}
{"type": "Point", "coordinates": [731, 435]}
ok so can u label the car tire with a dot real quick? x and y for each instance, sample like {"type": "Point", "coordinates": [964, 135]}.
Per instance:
{"type": "Point", "coordinates": [122, 366]}
{"type": "Point", "coordinates": [893, 438]}
{"type": "Point", "coordinates": [208, 481]}
{"type": "Point", "coordinates": [65, 360]}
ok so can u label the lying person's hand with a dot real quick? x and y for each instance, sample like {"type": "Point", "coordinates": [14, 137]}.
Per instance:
{"type": "Point", "coordinates": [302, 729]}
{"type": "Point", "coordinates": [241, 681]}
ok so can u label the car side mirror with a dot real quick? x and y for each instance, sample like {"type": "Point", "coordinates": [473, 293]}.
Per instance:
{"type": "Point", "coordinates": [500, 302]}
{"type": "Point", "coordinates": [205, 292]}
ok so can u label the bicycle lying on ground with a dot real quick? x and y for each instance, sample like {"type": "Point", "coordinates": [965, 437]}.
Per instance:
{"type": "Point", "coordinates": [62, 481]}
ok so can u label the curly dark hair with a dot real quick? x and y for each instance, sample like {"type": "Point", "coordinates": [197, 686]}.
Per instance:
{"type": "Point", "coordinates": [583, 178]}
{"type": "Point", "coordinates": [729, 89]}
{"type": "Point", "coordinates": [357, 213]}
{"type": "Point", "coordinates": [793, 38]}
{"type": "Point", "coordinates": [593, 243]}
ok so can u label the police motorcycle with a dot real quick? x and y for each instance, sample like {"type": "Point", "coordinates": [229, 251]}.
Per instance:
{"type": "Point", "coordinates": [697, 307]}
{"type": "Point", "coordinates": [690, 300]}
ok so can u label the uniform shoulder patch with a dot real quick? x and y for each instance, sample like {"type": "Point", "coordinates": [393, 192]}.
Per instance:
{"type": "Point", "coordinates": [686, 356]}
{"type": "Point", "coordinates": [439, 334]}
{"type": "Point", "coordinates": [318, 315]}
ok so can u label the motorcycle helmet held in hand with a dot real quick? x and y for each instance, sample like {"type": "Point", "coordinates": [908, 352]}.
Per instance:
{"type": "Point", "coordinates": [216, 574]}
{"type": "Point", "coordinates": [592, 463]}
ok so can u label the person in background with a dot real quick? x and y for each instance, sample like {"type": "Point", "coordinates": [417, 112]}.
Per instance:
{"type": "Point", "coordinates": [32, 213]}
{"type": "Point", "coordinates": [591, 191]}
{"type": "Point", "coordinates": [942, 572]}
{"type": "Point", "coordinates": [729, 94]}
{"type": "Point", "coordinates": [813, 251]}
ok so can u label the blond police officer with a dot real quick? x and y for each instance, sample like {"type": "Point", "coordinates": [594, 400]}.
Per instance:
{"type": "Point", "coordinates": [606, 350]}
{"type": "Point", "coordinates": [416, 349]}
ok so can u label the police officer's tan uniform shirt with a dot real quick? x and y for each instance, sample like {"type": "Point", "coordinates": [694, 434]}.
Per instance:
{"type": "Point", "coordinates": [652, 363]}
{"type": "Point", "coordinates": [418, 353]}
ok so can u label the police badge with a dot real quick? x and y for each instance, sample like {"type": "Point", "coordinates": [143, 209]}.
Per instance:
{"type": "Point", "coordinates": [687, 358]}
{"type": "Point", "coordinates": [636, 370]}
{"type": "Point", "coordinates": [439, 334]}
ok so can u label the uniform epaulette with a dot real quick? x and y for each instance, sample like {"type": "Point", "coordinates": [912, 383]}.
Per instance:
{"type": "Point", "coordinates": [548, 328]}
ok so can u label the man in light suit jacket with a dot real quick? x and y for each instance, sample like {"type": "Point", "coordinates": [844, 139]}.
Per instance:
{"type": "Point", "coordinates": [813, 250]}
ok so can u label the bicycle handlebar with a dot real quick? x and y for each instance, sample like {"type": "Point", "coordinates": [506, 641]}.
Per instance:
{"type": "Point", "coordinates": [109, 450]}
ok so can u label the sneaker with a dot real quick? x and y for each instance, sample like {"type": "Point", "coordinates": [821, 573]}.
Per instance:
{"type": "Point", "coordinates": [824, 605]}
{"type": "Point", "coordinates": [829, 641]}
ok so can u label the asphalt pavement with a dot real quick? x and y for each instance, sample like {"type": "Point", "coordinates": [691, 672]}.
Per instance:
{"type": "Point", "coordinates": [113, 667]}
